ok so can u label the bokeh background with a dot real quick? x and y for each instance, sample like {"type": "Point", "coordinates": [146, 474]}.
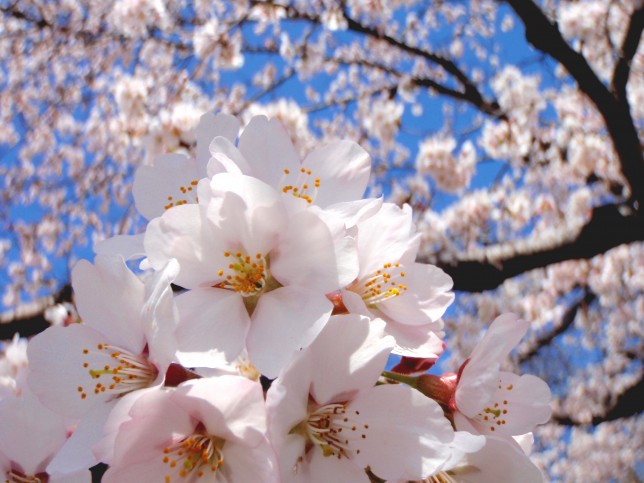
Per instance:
{"type": "Point", "coordinates": [512, 128]}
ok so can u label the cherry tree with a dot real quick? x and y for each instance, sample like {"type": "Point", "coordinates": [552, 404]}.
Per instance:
{"type": "Point", "coordinates": [512, 128]}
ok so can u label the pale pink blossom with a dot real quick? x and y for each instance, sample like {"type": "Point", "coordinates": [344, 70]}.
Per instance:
{"type": "Point", "coordinates": [124, 343]}
{"type": "Point", "coordinates": [239, 246]}
{"type": "Point", "coordinates": [411, 297]}
{"type": "Point", "coordinates": [497, 402]}
{"type": "Point", "coordinates": [334, 172]}
{"type": "Point", "coordinates": [211, 429]}
{"type": "Point", "coordinates": [330, 425]}
{"type": "Point", "coordinates": [172, 179]}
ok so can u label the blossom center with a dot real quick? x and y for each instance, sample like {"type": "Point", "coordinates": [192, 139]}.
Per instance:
{"type": "Point", "coordinates": [116, 371]}
{"type": "Point", "coordinates": [247, 369]}
{"type": "Point", "coordinates": [440, 477]}
{"type": "Point", "coordinates": [494, 415]}
{"type": "Point", "coordinates": [15, 476]}
{"type": "Point", "coordinates": [303, 185]}
{"type": "Point", "coordinates": [245, 274]}
{"type": "Point", "coordinates": [188, 194]}
{"type": "Point", "coordinates": [334, 429]}
{"type": "Point", "coordinates": [383, 284]}
{"type": "Point", "coordinates": [194, 455]}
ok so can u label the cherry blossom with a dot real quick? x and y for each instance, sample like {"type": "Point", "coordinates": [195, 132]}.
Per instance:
{"type": "Point", "coordinates": [90, 91]}
{"type": "Point", "coordinates": [335, 423]}
{"type": "Point", "coordinates": [410, 296]}
{"type": "Point", "coordinates": [211, 429]}
{"type": "Point", "coordinates": [24, 421]}
{"type": "Point", "coordinates": [223, 246]}
{"type": "Point", "coordinates": [123, 345]}
{"type": "Point", "coordinates": [172, 179]}
{"type": "Point", "coordinates": [495, 401]}
{"type": "Point", "coordinates": [266, 152]}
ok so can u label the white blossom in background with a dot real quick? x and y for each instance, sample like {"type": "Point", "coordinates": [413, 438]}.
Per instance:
{"type": "Point", "coordinates": [133, 17]}
{"type": "Point", "coordinates": [206, 37]}
{"type": "Point", "coordinates": [13, 365]}
{"type": "Point", "coordinates": [382, 119]}
{"type": "Point", "coordinates": [451, 173]}
{"type": "Point", "coordinates": [90, 91]}
{"type": "Point", "coordinates": [130, 94]}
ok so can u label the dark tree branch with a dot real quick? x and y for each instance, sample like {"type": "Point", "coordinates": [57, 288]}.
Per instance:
{"type": "Point", "coordinates": [629, 47]}
{"type": "Point", "coordinates": [608, 228]}
{"type": "Point", "coordinates": [545, 36]}
{"type": "Point", "coordinates": [31, 323]}
{"type": "Point", "coordinates": [470, 92]}
{"type": "Point", "coordinates": [566, 321]}
{"type": "Point", "coordinates": [628, 404]}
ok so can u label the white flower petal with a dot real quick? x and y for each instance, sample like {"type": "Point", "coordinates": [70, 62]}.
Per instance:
{"type": "Point", "coordinates": [159, 315]}
{"type": "Point", "coordinates": [411, 442]}
{"type": "Point", "coordinates": [415, 340]}
{"type": "Point", "coordinates": [499, 460]}
{"type": "Point", "coordinates": [424, 300]}
{"type": "Point", "coordinates": [250, 464]}
{"type": "Point", "coordinates": [76, 454]}
{"type": "Point", "coordinates": [476, 387]}
{"type": "Point", "coordinates": [324, 469]}
{"type": "Point", "coordinates": [130, 247]}
{"type": "Point", "coordinates": [211, 126]}
{"type": "Point", "coordinates": [285, 320]}
{"type": "Point", "coordinates": [225, 157]}
{"type": "Point", "coordinates": [268, 149]}
{"type": "Point", "coordinates": [230, 407]}
{"type": "Point", "coordinates": [311, 255]}
{"type": "Point", "coordinates": [109, 298]}
{"type": "Point", "coordinates": [30, 433]}
{"type": "Point", "coordinates": [67, 370]}
{"type": "Point", "coordinates": [185, 234]}
{"type": "Point", "coordinates": [354, 212]}
{"type": "Point", "coordinates": [386, 237]}
{"type": "Point", "coordinates": [518, 404]}
{"type": "Point", "coordinates": [360, 351]}
{"type": "Point", "coordinates": [251, 213]}
{"type": "Point", "coordinates": [172, 179]}
{"type": "Point", "coordinates": [212, 322]}
{"type": "Point", "coordinates": [343, 168]}
{"type": "Point", "coordinates": [502, 336]}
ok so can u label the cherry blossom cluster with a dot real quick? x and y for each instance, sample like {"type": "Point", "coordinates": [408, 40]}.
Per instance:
{"type": "Point", "coordinates": [244, 336]}
{"type": "Point", "coordinates": [90, 91]}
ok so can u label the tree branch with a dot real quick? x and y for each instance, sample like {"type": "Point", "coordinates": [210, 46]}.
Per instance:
{"type": "Point", "coordinates": [607, 228]}
{"type": "Point", "coordinates": [470, 92]}
{"type": "Point", "coordinates": [566, 321]}
{"type": "Point", "coordinates": [545, 36]}
{"type": "Point", "coordinates": [30, 319]}
{"type": "Point", "coordinates": [628, 404]}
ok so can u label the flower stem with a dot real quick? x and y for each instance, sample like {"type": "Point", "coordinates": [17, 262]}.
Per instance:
{"type": "Point", "coordinates": [411, 381]}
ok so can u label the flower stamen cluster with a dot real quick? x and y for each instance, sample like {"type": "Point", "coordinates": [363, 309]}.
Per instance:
{"type": "Point", "coordinates": [187, 195]}
{"type": "Point", "coordinates": [125, 372]}
{"type": "Point", "coordinates": [300, 188]}
{"type": "Point", "coordinates": [15, 476]}
{"type": "Point", "coordinates": [381, 285]}
{"type": "Point", "coordinates": [331, 428]}
{"type": "Point", "coordinates": [194, 455]}
{"type": "Point", "coordinates": [246, 276]}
